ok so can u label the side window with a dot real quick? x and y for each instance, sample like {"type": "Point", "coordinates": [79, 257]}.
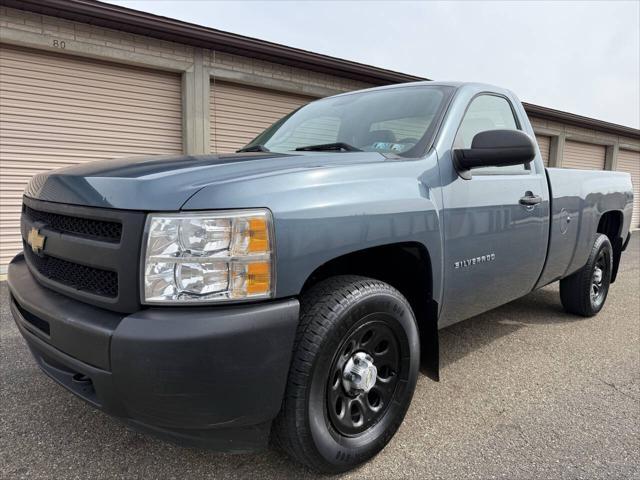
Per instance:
{"type": "Point", "coordinates": [488, 112]}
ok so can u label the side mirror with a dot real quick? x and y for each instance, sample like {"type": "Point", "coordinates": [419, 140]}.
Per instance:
{"type": "Point", "coordinates": [494, 148]}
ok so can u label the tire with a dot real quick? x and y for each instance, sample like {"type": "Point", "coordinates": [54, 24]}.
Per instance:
{"type": "Point", "coordinates": [581, 293]}
{"type": "Point", "coordinates": [342, 319]}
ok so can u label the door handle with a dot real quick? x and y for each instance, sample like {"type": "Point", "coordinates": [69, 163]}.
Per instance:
{"type": "Point", "coordinates": [530, 199]}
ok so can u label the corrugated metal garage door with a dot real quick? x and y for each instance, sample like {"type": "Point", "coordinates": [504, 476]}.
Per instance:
{"type": "Point", "coordinates": [60, 110]}
{"type": "Point", "coordinates": [239, 113]}
{"type": "Point", "coordinates": [629, 161]}
{"type": "Point", "coordinates": [544, 143]}
{"type": "Point", "coordinates": [585, 156]}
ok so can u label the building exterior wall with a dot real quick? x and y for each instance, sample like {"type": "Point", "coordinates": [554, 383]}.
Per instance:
{"type": "Point", "coordinates": [582, 155]}
{"type": "Point", "coordinates": [61, 110]}
{"type": "Point", "coordinates": [42, 31]}
{"type": "Point", "coordinates": [239, 113]}
{"type": "Point", "coordinates": [197, 65]}
{"type": "Point", "coordinates": [629, 162]}
{"type": "Point", "coordinates": [88, 40]}
{"type": "Point", "coordinates": [544, 142]}
{"type": "Point", "coordinates": [306, 79]}
{"type": "Point", "coordinates": [560, 133]}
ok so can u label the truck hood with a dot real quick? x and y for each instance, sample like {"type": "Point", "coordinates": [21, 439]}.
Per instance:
{"type": "Point", "coordinates": [166, 183]}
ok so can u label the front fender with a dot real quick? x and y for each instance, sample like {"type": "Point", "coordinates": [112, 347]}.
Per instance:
{"type": "Point", "coordinates": [379, 213]}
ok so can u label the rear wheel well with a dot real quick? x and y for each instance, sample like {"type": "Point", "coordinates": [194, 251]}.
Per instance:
{"type": "Point", "coordinates": [407, 268]}
{"type": "Point", "coordinates": [610, 224]}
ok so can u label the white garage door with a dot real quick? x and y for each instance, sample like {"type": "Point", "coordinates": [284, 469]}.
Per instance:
{"type": "Point", "coordinates": [629, 161]}
{"type": "Point", "coordinates": [585, 156]}
{"type": "Point", "coordinates": [544, 143]}
{"type": "Point", "coordinates": [60, 110]}
{"type": "Point", "coordinates": [239, 113]}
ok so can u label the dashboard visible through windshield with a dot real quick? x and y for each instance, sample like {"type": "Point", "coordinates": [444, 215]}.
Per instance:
{"type": "Point", "coordinates": [399, 120]}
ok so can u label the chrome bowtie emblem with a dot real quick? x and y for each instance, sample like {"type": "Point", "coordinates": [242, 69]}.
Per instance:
{"type": "Point", "coordinates": [36, 240]}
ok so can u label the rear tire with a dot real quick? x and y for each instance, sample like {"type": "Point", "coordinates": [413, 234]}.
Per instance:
{"type": "Point", "coordinates": [332, 419]}
{"type": "Point", "coordinates": [584, 292]}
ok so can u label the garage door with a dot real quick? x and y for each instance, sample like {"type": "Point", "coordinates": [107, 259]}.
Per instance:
{"type": "Point", "coordinates": [544, 143]}
{"type": "Point", "coordinates": [239, 113]}
{"type": "Point", "coordinates": [629, 162]}
{"type": "Point", "coordinates": [585, 156]}
{"type": "Point", "coordinates": [60, 110]}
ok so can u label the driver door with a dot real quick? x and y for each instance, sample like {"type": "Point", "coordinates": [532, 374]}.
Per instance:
{"type": "Point", "coordinates": [494, 246]}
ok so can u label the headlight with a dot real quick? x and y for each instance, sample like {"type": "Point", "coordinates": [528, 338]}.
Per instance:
{"type": "Point", "coordinates": [208, 257]}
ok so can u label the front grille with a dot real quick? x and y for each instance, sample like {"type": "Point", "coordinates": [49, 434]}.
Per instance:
{"type": "Point", "coordinates": [89, 254]}
{"type": "Point", "coordinates": [74, 275]}
{"type": "Point", "coordinates": [98, 229]}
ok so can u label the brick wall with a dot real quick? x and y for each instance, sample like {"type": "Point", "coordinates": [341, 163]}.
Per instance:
{"type": "Point", "coordinates": [280, 72]}
{"type": "Point", "coordinates": [81, 37]}
{"type": "Point", "coordinates": [82, 33]}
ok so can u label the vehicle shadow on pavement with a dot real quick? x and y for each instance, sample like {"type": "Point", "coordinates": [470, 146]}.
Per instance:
{"type": "Point", "coordinates": [541, 307]}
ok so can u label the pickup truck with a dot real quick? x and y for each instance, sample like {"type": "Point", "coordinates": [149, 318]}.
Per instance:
{"type": "Point", "coordinates": [293, 291]}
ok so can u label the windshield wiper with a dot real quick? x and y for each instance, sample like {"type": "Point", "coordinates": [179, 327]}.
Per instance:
{"type": "Point", "coordinates": [329, 147]}
{"type": "Point", "coordinates": [254, 148]}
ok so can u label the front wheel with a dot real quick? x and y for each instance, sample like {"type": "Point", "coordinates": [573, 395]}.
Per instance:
{"type": "Point", "coordinates": [585, 291]}
{"type": "Point", "coordinates": [353, 373]}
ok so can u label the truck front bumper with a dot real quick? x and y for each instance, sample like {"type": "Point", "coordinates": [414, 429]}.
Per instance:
{"type": "Point", "coordinates": [208, 376]}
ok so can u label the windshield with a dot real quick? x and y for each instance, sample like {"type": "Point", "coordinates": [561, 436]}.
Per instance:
{"type": "Point", "coordinates": [397, 120]}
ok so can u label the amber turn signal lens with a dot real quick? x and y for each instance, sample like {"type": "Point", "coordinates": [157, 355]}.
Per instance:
{"type": "Point", "coordinates": [258, 236]}
{"type": "Point", "coordinates": [258, 278]}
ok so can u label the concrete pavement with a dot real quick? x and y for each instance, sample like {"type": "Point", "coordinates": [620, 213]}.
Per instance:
{"type": "Point", "coordinates": [526, 392]}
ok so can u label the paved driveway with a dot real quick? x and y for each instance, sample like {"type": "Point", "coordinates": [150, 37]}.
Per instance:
{"type": "Point", "coordinates": [526, 392]}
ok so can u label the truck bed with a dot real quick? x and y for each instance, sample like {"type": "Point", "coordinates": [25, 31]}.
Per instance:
{"type": "Point", "coordinates": [578, 200]}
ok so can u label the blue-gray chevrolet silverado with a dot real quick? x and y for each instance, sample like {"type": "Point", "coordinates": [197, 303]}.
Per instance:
{"type": "Point", "coordinates": [293, 291]}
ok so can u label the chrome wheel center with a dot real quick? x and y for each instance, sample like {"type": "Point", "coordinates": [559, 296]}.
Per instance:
{"type": "Point", "coordinates": [359, 373]}
{"type": "Point", "coordinates": [597, 275]}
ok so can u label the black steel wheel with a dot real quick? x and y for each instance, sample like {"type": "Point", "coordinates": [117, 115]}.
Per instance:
{"type": "Point", "coordinates": [353, 373]}
{"type": "Point", "coordinates": [585, 292]}
{"type": "Point", "coordinates": [599, 278]}
{"type": "Point", "coordinates": [373, 347]}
